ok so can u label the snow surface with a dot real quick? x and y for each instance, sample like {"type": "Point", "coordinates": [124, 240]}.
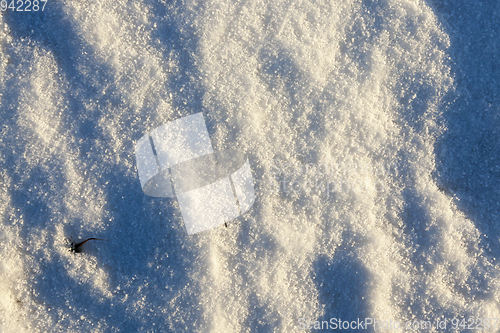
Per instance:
{"type": "Point", "coordinates": [371, 128]}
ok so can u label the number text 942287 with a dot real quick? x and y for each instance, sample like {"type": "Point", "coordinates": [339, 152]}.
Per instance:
{"type": "Point", "coordinates": [23, 5]}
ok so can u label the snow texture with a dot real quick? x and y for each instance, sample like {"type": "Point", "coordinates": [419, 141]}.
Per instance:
{"type": "Point", "coordinates": [372, 130]}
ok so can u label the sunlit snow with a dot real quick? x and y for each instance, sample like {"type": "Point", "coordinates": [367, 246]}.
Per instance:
{"type": "Point", "coordinates": [372, 132]}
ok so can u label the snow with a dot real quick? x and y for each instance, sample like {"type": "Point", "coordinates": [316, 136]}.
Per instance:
{"type": "Point", "coordinates": [372, 132]}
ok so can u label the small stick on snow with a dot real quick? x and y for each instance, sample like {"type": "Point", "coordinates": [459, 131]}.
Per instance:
{"type": "Point", "coordinates": [76, 248]}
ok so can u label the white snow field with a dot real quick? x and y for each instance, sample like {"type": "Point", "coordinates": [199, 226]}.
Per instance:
{"type": "Point", "coordinates": [372, 130]}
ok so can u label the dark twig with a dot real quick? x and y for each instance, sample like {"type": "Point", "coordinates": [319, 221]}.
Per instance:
{"type": "Point", "coordinates": [76, 248]}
